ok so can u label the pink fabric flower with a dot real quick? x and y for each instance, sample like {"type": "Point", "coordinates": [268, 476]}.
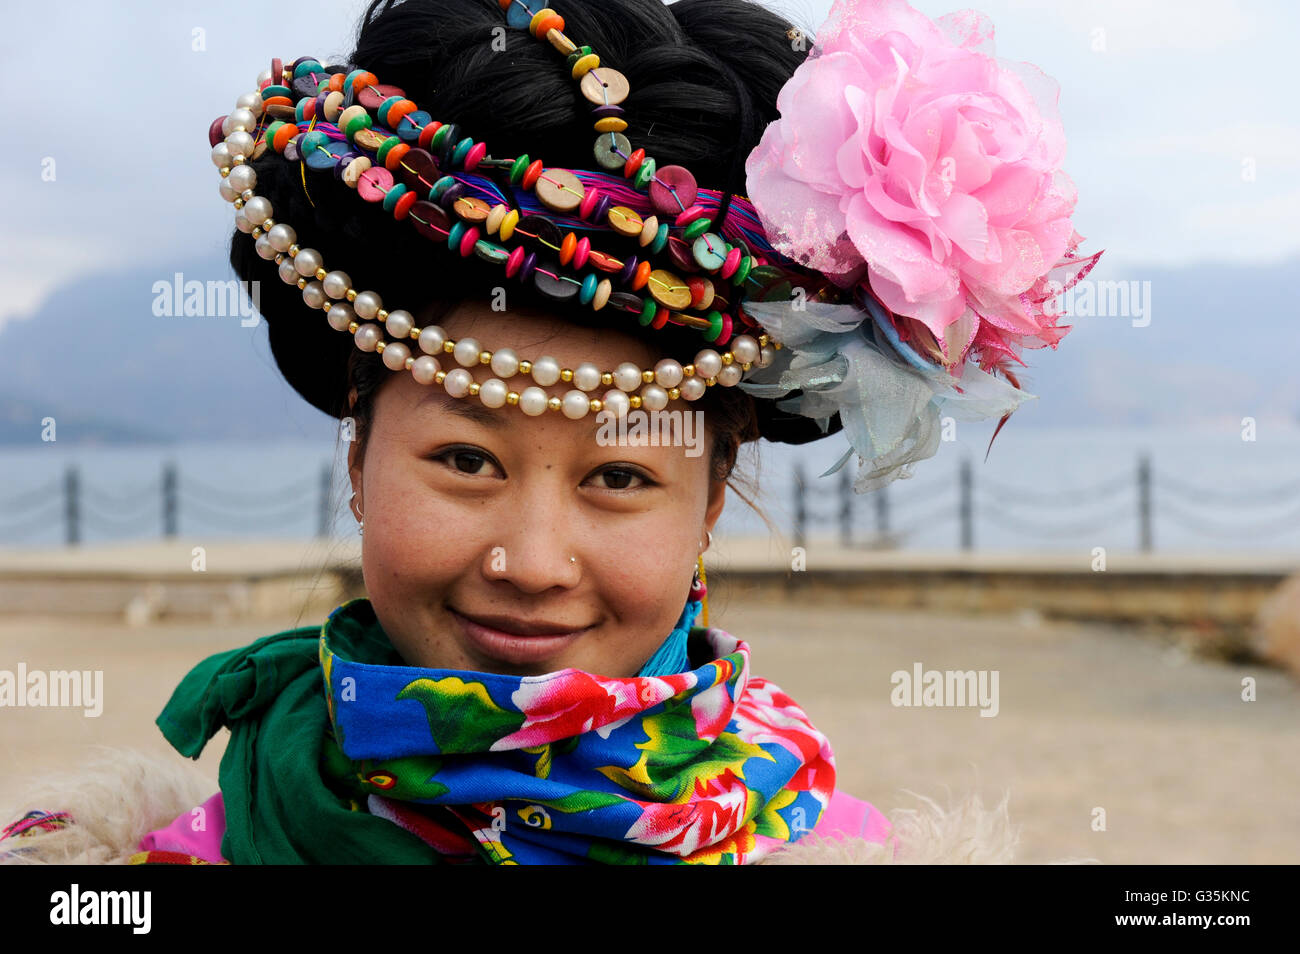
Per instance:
{"type": "Point", "coordinates": [906, 154]}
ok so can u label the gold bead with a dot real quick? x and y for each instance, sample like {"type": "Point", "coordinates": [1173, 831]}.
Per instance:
{"type": "Point", "coordinates": [409, 362]}
{"type": "Point", "coordinates": [596, 405]}
{"type": "Point", "coordinates": [301, 283]}
{"type": "Point", "coordinates": [353, 326]}
{"type": "Point", "coordinates": [381, 346]}
{"type": "Point", "coordinates": [711, 382]}
{"type": "Point", "coordinates": [351, 294]}
{"type": "Point", "coordinates": [225, 171]}
{"type": "Point", "coordinates": [688, 370]}
{"type": "Point", "coordinates": [381, 315]}
{"type": "Point", "coordinates": [674, 393]}
{"type": "Point", "coordinates": [634, 401]}
{"type": "Point", "coordinates": [449, 346]}
{"type": "Point", "coordinates": [727, 358]}
{"type": "Point", "coordinates": [566, 375]}
{"type": "Point", "coordinates": [440, 376]}
{"type": "Point", "coordinates": [554, 404]}
{"type": "Point", "coordinates": [747, 366]}
{"type": "Point", "coordinates": [415, 332]}
{"type": "Point", "coordinates": [474, 388]}
{"type": "Point", "coordinates": [485, 357]}
{"type": "Point", "coordinates": [320, 274]}
{"type": "Point", "coordinates": [648, 376]}
{"type": "Point", "coordinates": [607, 378]}
{"type": "Point", "coordinates": [294, 250]}
{"type": "Point", "coordinates": [512, 398]}
{"type": "Point", "coordinates": [762, 339]}
{"type": "Point", "coordinates": [525, 367]}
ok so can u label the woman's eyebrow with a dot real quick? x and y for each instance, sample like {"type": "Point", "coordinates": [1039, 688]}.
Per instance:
{"type": "Point", "coordinates": [471, 410]}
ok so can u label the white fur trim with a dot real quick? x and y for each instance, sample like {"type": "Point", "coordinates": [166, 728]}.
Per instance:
{"type": "Point", "coordinates": [114, 800]}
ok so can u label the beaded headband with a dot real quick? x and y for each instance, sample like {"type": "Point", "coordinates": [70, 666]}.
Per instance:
{"type": "Point", "coordinates": [395, 154]}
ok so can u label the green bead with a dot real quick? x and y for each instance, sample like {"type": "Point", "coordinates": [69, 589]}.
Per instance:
{"type": "Point", "coordinates": [384, 148]}
{"type": "Point", "coordinates": [648, 310]}
{"type": "Point", "coordinates": [742, 270]}
{"type": "Point", "coordinates": [644, 175]}
{"type": "Point", "coordinates": [697, 228]}
{"type": "Point", "coordinates": [435, 143]}
{"type": "Point", "coordinates": [359, 122]}
{"type": "Point", "coordinates": [518, 169]}
{"type": "Point", "coordinates": [490, 251]}
{"type": "Point", "coordinates": [715, 326]}
{"type": "Point", "coordinates": [576, 55]}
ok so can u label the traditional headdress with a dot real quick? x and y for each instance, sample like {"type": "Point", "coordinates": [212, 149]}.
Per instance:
{"type": "Point", "coordinates": [906, 213]}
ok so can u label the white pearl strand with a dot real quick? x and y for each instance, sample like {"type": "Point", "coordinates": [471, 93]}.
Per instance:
{"type": "Point", "coordinates": [332, 292]}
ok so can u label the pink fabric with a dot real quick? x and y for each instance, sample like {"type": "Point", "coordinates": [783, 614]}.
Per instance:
{"type": "Point", "coordinates": [849, 817]}
{"type": "Point", "coordinates": [181, 836]}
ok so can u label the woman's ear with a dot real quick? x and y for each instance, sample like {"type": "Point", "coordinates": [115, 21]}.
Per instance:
{"type": "Point", "coordinates": [717, 500]}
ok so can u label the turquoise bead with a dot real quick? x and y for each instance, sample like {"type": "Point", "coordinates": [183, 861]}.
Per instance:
{"type": "Point", "coordinates": [661, 239]}
{"type": "Point", "coordinates": [462, 149]}
{"type": "Point", "coordinates": [392, 195]}
{"type": "Point", "coordinates": [439, 187]}
{"type": "Point", "coordinates": [588, 289]}
{"type": "Point", "coordinates": [709, 251]}
{"type": "Point", "coordinates": [457, 233]}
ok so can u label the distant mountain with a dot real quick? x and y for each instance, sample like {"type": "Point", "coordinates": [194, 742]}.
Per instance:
{"type": "Point", "coordinates": [1216, 346]}
{"type": "Point", "coordinates": [96, 350]}
{"type": "Point", "coordinates": [24, 422]}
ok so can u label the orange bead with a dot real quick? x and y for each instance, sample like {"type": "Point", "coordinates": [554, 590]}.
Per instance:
{"type": "Point", "coordinates": [394, 156]}
{"type": "Point", "coordinates": [641, 276]}
{"type": "Point", "coordinates": [336, 82]}
{"type": "Point", "coordinates": [503, 3]}
{"type": "Point", "coordinates": [363, 81]}
{"type": "Point", "coordinates": [283, 135]}
{"type": "Point", "coordinates": [533, 173]}
{"type": "Point", "coordinates": [398, 110]}
{"type": "Point", "coordinates": [550, 20]}
{"type": "Point", "coordinates": [567, 247]}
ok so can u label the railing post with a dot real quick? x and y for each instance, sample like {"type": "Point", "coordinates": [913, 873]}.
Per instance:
{"type": "Point", "coordinates": [1144, 503]}
{"type": "Point", "coordinates": [71, 506]}
{"type": "Point", "coordinates": [846, 508]}
{"type": "Point", "coordinates": [169, 515]}
{"type": "Point", "coordinates": [323, 524]}
{"type": "Point", "coordinates": [967, 507]}
{"type": "Point", "coordinates": [800, 507]}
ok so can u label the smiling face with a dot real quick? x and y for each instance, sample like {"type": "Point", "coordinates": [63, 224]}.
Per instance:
{"type": "Point", "coordinates": [472, 515]}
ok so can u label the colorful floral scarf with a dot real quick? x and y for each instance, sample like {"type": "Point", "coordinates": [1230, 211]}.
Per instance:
{"type": "Point", "coordinates": [399, 764]}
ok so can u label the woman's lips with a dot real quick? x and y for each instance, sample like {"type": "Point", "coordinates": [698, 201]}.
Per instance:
{"type": "Point", "coordinates": [512, 648]}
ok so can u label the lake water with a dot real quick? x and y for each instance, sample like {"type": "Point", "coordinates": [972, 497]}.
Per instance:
{"type": "Point", "coordinates": [1039, 489]}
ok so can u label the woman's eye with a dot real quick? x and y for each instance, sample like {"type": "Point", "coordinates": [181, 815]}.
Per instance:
{"type": "Point", "coordinates": [465, 461]}
{"type": "Point", "coordinates": [620, 478]}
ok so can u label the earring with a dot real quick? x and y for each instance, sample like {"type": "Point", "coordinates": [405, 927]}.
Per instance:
{"type": "Point", "coordinates": [700, 590]}
{"type": "Point", "coordinates": [361, 524]}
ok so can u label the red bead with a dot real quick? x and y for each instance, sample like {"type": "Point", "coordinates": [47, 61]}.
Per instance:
{"type": "Point", "coordinates": [426, 134]}
{"type": "Point", "coordinates": [660, 319]}
{"type": "Point", "coordinates": [581, 252]}
{"type": "Point", "coordinates": [633, 163]}
{"type": "Point", "coordinates": [589, 200]}
{"type": "Point", "coordinates": [732, 263]}
{"type": "Point", "coordinates": [690, 215]}
{"type": "Point", "coordinates": [467, 241]}
{"type": "Point", "coordinates": [532, 174]}
{"type": "Point", "coordinates": [403, 205]}
{"type": "Point", "coordinates": [514, 261]}
{"type": "Point", "coordinates": [475, 156]}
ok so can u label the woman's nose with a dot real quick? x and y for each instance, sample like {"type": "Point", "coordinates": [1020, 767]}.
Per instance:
{"type": "Point", "coordinates": [539, 550]}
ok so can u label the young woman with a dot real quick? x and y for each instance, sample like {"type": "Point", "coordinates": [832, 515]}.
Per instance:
{"type": "Point", "coordinates": [529, 679]}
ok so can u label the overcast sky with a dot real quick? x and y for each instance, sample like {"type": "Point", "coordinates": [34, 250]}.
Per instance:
{"type": "Point", "coordinates": [1164, 104]}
